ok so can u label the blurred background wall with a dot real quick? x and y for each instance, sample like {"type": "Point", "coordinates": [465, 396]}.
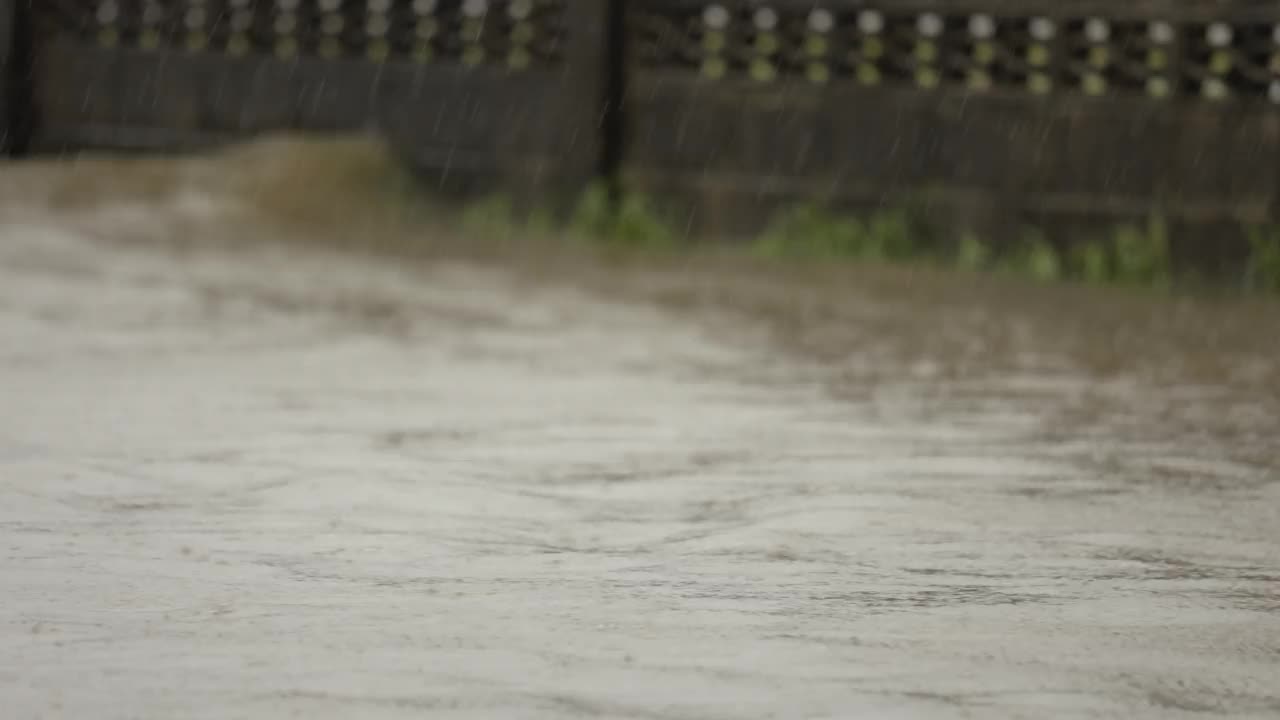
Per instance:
{"type": "Point", "coordinates": [984, 115]}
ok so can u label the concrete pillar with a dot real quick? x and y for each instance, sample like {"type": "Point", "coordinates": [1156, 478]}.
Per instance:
{"type": "Point", "coordinates": [9, 76]}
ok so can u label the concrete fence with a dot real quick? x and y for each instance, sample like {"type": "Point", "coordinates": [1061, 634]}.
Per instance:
{"type": "Point", "coordinates": [991, 111]}
{"type": "Point", "coordinates": [507, 89]}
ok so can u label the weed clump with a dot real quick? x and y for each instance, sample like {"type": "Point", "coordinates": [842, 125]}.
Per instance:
{"type": "Point", "coordinates": [1035, 257]}
{"type": "Point", "coordinates": [1134, 254]}
{"type": "Point", "coordinates": [491, 217]}
{"type": "Point", "coordinates": [1140, 255]}
{"type": "Point", "coordinates": [628, 221]}
{"type": "Point", "coordinates": [1263, 271]}
{"type": "Point", "coordinates": [813, 232]}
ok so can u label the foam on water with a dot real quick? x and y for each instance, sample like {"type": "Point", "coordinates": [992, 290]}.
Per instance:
{"type": "Point", "coordinates": [243, 479]}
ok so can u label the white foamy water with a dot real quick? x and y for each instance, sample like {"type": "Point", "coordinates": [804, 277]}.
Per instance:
{"type": "Point", "coordinates": [264, 483]}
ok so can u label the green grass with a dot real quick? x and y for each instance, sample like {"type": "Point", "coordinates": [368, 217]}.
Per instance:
{"type": "Point", "coordinates": [1263, 272]}
{"type": "Point", "coordinates": [972, 253]}
{"type": "Point", "coordinates": [812, 232]}
{"type": "Point", "coordinates": [325, 184]}
{"type": "Point", "coordinates": [1140, 254]}
{"type": "Point", "coordinates": [1089, 261]}
{"type": "Point", "coordinates": [356, 190]}
{"type": "Point", "coordinates": [1034, 257]}
{"type": "Point", "coordinates": [492, 217]}
{"type": "Point", "coordinates": [1135, 254]}
{"type": "Point", "coordinates": [630, 220]}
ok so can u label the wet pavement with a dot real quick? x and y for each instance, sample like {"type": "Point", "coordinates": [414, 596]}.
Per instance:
{"type": "Point", "coordinates": [246, 478]}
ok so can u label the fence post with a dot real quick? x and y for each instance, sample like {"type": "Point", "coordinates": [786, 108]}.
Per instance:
{"type": "Point", "coordinates": [8, 13]}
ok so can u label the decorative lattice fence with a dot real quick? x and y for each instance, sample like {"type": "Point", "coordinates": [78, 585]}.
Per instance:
{"type": "Point", "coordinates": [986, 107]}
{"type": "Point", "coordinates": [489, 87]}
{"type": "Point", "coordinates": [984, 110]}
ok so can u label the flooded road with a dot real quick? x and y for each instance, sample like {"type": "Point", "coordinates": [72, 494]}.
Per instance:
{"type": "Point", "coordinates": [248, 478]}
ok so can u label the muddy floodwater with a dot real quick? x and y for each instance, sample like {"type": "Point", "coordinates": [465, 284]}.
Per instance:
{"type": "Point", "coordinates": [246, 477]}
